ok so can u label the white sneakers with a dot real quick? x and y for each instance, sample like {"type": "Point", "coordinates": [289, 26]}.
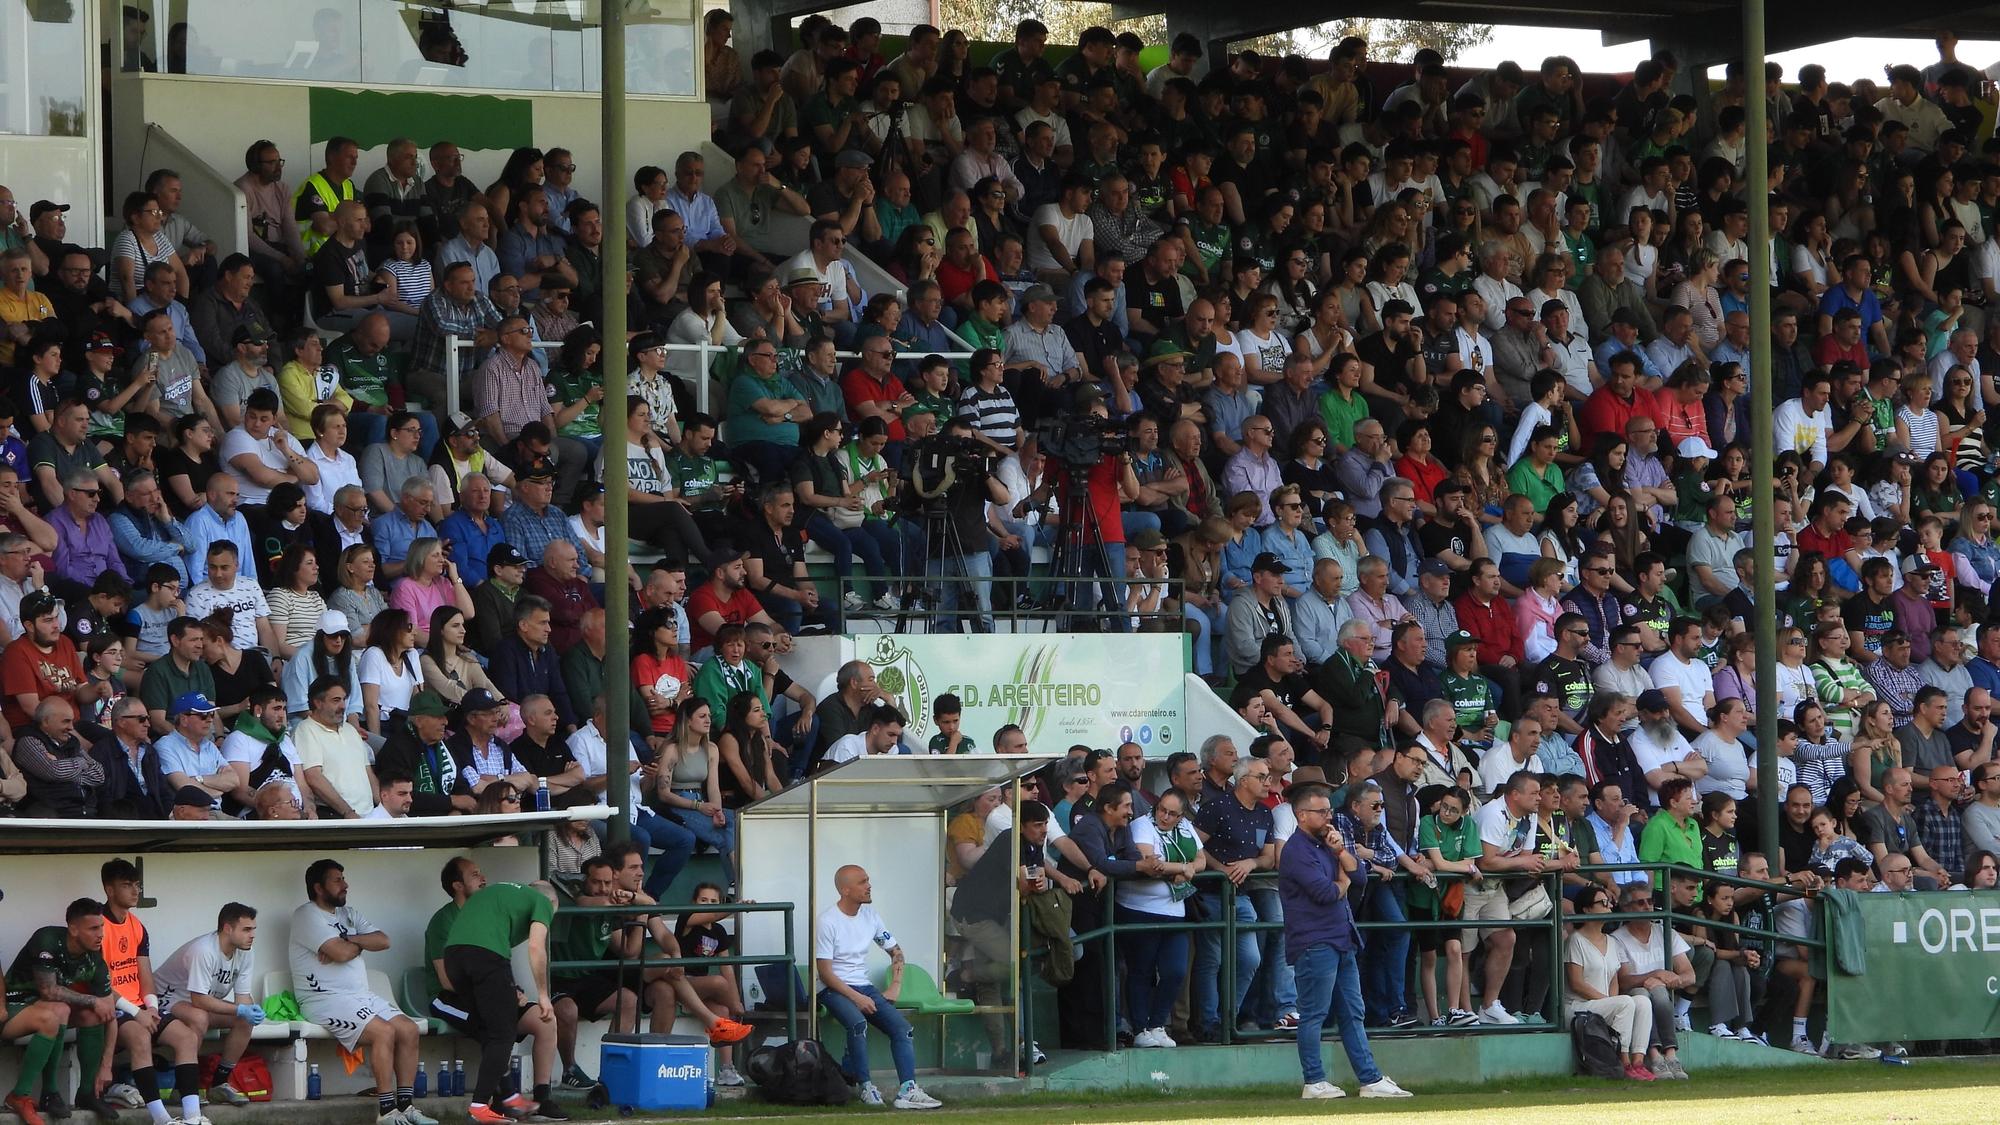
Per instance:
{"type": "Point", "coordinates": [912, 1096]}
{"type": "Point", "coordinates": [1383, 1087]}
{"type": "Point", "coordinates": [1154, 1037]}
{"type": "Point", "coordinates": [1496, 1015]}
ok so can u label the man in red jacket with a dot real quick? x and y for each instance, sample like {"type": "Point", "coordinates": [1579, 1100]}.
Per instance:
{"type": "Point", "coordinates": [1487, 616]}
{"type": "Point", "coordinates": [1612, 405]}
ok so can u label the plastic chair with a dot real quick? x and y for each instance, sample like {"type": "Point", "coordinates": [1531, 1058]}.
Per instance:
{"type": "Point", "coordinates": [415, 998]}
{"type": "Point", "coordinates": [921, 995]}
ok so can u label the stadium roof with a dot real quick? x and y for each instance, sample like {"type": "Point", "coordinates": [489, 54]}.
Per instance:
{"type": "Point", "coordinates": [1789, 23]}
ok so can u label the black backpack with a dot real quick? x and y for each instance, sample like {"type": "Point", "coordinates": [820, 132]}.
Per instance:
{"type": "Point", "coordinates": [802, 1072]}
{"type": "Point", "coordinates": [1595, 1046]}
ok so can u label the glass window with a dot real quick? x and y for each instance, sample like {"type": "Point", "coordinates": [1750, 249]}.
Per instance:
{"type": "Point", "coordinates": [42, 68]}
{"type": "Point", "coordinates": [515, 45]}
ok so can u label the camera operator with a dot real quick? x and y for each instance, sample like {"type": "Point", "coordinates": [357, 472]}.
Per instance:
{"type": "Point", "coordinates": [1023, 523]}
{"type": "Point", "coordinates": [951, 475]}
{"type": "Point", "coordinates": [1109, 482]}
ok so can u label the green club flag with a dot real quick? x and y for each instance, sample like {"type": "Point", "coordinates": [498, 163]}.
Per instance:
{"type": "Point", "coordinates": [1933, 969]}
{"type": "Point", "coordinates": [374, 118]}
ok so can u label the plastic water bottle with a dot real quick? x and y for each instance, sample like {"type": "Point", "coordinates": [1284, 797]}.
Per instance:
{"type": "Point", "coordinates": [458, 1078]}
{"type": "Point", "coordinates": [444, 1079]}
{"type": "Point", "coordinates": [422, 1087]}
{"type": "Point", "coordinates": [541, 802]}
{"type": "Point", "coordinates": [514, 1061]}
{"type": "Point", "coordinates": [312, 1083]}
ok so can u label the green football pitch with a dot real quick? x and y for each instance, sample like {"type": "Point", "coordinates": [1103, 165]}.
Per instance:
{"type": "Point", "coordinates": [1926, 1091]}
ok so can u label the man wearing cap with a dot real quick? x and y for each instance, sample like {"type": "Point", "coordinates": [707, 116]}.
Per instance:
{"type": "Point", "coordinates": [482, 756]}
{"type": "Point", "coordinates": [1036, 347]}
{"type": "Point", "coordinates": [839, 292]}
{"type": "Point", "coordinates": [1258, 611]}
{"type": "Point", "coordinates": [1429, 601]}
{"type": "Point", "coordinates": [532, 519]}
{"type": "Point", "coordinates": [417, 750]}
{"type": "Point", "coordinates": [249, 369]}
{"type": "Point", "coordinates": [189, 755]}
{"type": "Point", "coordinates": [493, 599]}
{"type": "Point", "coordinates": [21, 307]}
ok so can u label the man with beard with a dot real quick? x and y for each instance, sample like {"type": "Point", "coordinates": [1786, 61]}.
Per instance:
{"type": "Point", "coordinates": [1662, 752]}
{"type": "Point", "coordinates": [329, 938]}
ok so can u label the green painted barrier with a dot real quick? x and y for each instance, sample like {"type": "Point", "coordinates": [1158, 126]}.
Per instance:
{"type": "Point", "coordinates": [1932, 968]}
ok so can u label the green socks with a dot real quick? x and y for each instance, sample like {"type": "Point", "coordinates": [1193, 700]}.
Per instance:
{"type": "Point", "coordinates": [40, 1049]}
{"type": "Point", "coordinates": [90, 1044]}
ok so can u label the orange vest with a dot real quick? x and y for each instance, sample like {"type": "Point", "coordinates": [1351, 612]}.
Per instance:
{"type": "Point", "coordinates": [124, 943]}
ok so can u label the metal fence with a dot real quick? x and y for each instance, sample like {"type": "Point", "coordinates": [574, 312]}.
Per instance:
{"type": "Point", "coordinates": [622, 966]}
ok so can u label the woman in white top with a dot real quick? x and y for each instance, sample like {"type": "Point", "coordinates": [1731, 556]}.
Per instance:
{"type": "Point", "coordinates": [1260, 342]}
{"type": "Point", "coordinates": [390, 669]}
{"type": "Point", "coordinates": [1551, 275]}
{"type": "Point", "coordinates": [1699, 296]}
{"type": "Point", "coordinates": [1156, 960]}
{"type": "Point", "coordinates": [1812, 249]}
{"type": "Point", "coordinates": [1642, 258]}
{"type": "Point", "coordinates": [1590, 963]}
{"type": "Point", "coordinates": [648, 380]}
{"type": "Point", "coordinates": [1326, 334]}
{"type": "Point", "coordinates": [1656, 968]}
{"type": "Point", "coordinates": [649, 198]}
{"type": "Point", "coordinates": [705, 320]}
{"type": "Point", "coordinates": [1225, 308]}
{"type": "Point", "coordinates": [407, 274]}
{"type": "Point", "coordinates": [1391, 279]}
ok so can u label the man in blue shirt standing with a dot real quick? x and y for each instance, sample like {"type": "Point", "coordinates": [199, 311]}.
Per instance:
{"type": "Point", "coordinates": [1314, 872]}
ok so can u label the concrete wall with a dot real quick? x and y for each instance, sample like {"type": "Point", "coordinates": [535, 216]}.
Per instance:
{"type": "Point", "coordinates": [395, 888]}
{"type": "Point", "coordinates": [218, 118]}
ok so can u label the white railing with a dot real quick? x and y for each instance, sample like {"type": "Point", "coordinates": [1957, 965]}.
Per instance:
{"type": "Point", "coordinates": [209, 199]}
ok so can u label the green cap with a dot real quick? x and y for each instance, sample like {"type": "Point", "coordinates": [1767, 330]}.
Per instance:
{"type": "Point", "coordinates": [428, 702]}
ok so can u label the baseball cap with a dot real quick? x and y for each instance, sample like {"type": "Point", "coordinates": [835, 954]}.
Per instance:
{"type": "Point", "coordinates": [193, 797]}
{"type": "Point", "coordinates": [1085, 394]}
{"type": "Point", "coordinates": [457, 422]}
{"type": "Point", "coordinates": [505, 554]}
{"type": "Point", "coordinates": [541, 468]}
{"type": "Point", "coordinates": [1919, 564]}
{"type": "Point", "coordinates": [430, 704]}
{"type": "Point", "coordinates": [101, 342]}
{"type": "Point", "coordinates": [1038, 293]}
{"type": "Point", "coordinates": [190, 701]}
{"type": "Point", "coordinates": [1434, 567]}
{"type": "Point", "coordinates": [853, 158]}
{"type": "Point", "coordinates": [1148, 540]}
{"type": "Point", "coordinates": [333, 621]}
{"type": "Point", "coordinates": [1653, 699]}
{"type": "Point", "coordinates": [42, 207]}
{"type": "Point", "coordinates": [249, 334]}
{"type": "Point", "coordinates": [1459, 640]}
{"type": "Point", "coordinates": [1270, 563]}
{"type": "Point", "coordinates": [1553, 304]}
{"type": "Point", "coordinates": [1693, 446]}
{"type": "Point", "coordinates": [479, 699]}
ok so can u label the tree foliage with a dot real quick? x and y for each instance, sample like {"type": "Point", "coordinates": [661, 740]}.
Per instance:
{"type": "Point", "coordinates": [1388, 40]}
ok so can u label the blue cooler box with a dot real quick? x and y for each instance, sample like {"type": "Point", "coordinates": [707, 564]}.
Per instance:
{"type": "Point", "coordinates": [657, 1071]}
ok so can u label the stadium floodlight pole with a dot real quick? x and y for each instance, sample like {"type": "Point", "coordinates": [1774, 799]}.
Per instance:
{"type": "Point", "coordinates": [617, 510]}
{"type": "Point", "coordinates": [1763, 528]}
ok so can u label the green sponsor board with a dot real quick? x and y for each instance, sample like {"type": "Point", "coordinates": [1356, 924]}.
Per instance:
{"type": "Point", "coordinates": [1933, 970]}
{"type": "Point", "coordinates": [376, 117]}
{"type": "Point", "coordinates": [1061, 689]}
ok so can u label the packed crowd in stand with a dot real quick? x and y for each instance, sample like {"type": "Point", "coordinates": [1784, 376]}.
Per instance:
{"type": "Point", "coordinates": [1424, 410]}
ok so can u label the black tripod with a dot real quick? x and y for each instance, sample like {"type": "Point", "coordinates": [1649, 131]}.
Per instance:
{"type": "Point", "coordinates": [1076, 556]}
{"type": "Point", "coordinates": [925, 600]}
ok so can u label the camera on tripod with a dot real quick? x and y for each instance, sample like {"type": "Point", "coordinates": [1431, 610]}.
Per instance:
{"type": "Point", "coordinates": [1081, 442]}
{"type": "Point", "coordinates": [967, 458]}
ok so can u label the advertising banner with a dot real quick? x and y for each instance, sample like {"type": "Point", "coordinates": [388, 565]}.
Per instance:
{"type": "Point", "coordinates": [1933, 970]}
{"type": "Point", "coordinates": [1062, 689]}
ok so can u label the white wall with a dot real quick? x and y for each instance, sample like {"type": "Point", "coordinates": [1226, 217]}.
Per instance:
{"type": "Point", "coordinates": [218, 118]}
{"type": "Point", "coordinates": [395, 888]}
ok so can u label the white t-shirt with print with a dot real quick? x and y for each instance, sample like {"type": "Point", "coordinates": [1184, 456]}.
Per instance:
{"type": "Point", "coordinates": [844, 940]}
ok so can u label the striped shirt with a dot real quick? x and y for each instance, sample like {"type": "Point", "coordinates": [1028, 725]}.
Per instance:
{"type": "Point", "coordinates": [992, 413]}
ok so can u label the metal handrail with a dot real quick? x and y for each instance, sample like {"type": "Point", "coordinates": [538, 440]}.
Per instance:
{"type": "Point", "coordinates": [704, 351]}
{"type": "Point", "coordinates": [1106, 934]}
{"type": "Point", "coordinates": [644, 963]}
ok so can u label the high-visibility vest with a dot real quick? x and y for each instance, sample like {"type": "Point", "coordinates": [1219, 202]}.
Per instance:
{"type": "Point", "coordinates": [317, 184]}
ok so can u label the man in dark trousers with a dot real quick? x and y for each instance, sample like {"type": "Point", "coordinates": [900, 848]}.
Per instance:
{"type": "Point", "coordinates": [1105, 837]}
{"type": "Point", "coordinates": [477, 961]}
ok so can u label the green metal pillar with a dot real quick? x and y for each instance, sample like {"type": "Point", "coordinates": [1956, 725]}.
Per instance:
{"type": "Point", "coordinates": [617, 595]}
{"type": "Point", "coordinates": [1763, 528]}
